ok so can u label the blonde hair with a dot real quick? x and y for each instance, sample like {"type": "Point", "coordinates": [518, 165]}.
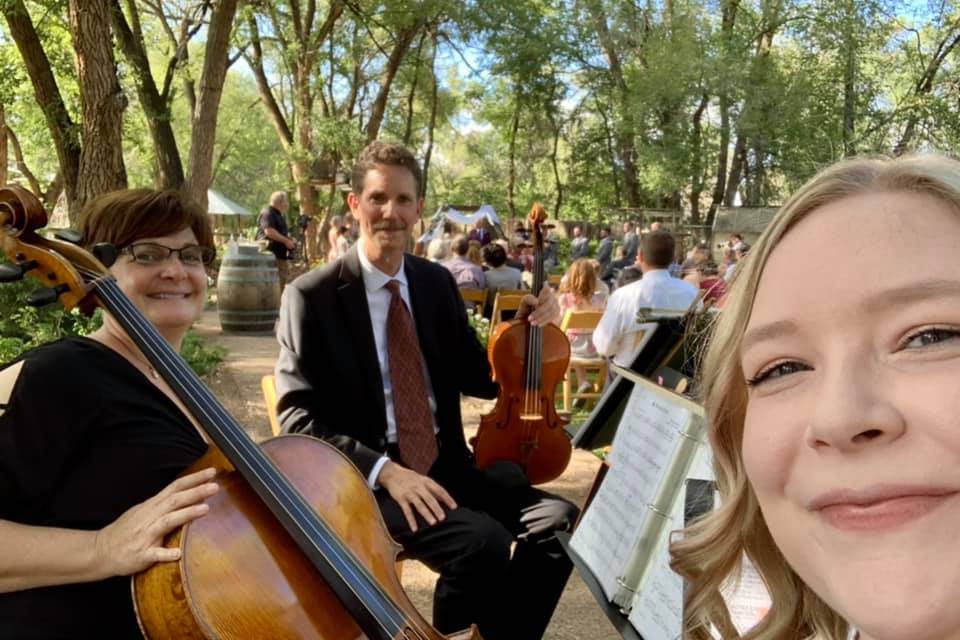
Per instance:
{"type": "Point", "coordinates": [581, 280]}
{"type": "Point", "coordinates": [709, 552]}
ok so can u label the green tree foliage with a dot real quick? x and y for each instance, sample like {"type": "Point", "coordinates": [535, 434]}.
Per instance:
{"type": "Point", "coordinates": [585, 105]}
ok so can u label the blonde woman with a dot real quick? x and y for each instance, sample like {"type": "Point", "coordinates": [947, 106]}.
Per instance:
{"type": "Point", "coordinates": [831, 384]}
{"type": "Point", "coordinates": [578, 292]}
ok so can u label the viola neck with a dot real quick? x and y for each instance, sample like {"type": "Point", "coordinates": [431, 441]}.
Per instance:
{"type": "Point", "coordinates": [359, 592]}
{"type": "Point", "coordinates": [538, 276]}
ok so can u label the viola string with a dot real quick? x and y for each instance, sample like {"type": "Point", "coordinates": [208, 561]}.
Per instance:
{"type": "Point", "coordinates": [247, 451]}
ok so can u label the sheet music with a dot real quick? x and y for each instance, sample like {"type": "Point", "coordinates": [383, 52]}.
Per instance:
{"type": "Point", "coordinates": [657, 612]}
{"type": "Point", "coordinates": [643, 446]}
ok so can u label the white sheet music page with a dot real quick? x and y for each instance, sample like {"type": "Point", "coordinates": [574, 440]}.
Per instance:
{"type": "Point", "coordinates": [657, 612]}
{"type": "Point", "coordinates": [645, 440]}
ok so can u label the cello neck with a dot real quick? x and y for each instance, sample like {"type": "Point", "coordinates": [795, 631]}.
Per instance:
{"type": "Point", "coordinates": [359, 592]}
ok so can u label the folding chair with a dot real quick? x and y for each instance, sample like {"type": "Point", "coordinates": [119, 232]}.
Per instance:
{"type": "Point", "coordinates": [478, 297]}
{"type": "Point", "coordinates": [587, 320]}
{"type": "Point", "coordinates": [270, 399]}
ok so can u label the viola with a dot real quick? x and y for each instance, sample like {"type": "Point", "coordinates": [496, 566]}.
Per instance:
{"type": "Point", "coordinates": [528, 362]}
{"type": "Point", "coordinates": [293, 545]}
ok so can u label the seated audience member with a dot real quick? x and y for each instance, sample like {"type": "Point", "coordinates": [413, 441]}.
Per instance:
{"type": "Point", "coordinates": [474, 254]}
{"type": "Point", "coordinates": [578, 292]}
{"type": "Point", "coordinates": [729, 263]}
{"type": "Point", "coordinates": [831, 392]}
{"type": "Point", "coordinates": [627, 273]}
{"type": "Point", "coordinates": [499, 275]}
{"type": "Point", "coordinates": [710, 282]}
{"type": "Point", "coordinates": [601, 287]}
{"type": "Point", "coordinates": [614, 336]}
{"type": "Point", "coordinates": [513, 255]}
{"type": "Point", "coordinates": [467, 274]}
{"type": "Point", "coordinates": [438, 249]}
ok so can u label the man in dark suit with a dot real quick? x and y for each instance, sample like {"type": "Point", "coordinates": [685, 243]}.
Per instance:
{"type": "Point", "coordinates": [375, 352]}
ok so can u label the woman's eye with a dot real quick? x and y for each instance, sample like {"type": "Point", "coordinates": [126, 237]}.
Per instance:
{"type": "Point", "coordinates": [778, 370]}
{"type": "Point", "coordinates": [928, 337]}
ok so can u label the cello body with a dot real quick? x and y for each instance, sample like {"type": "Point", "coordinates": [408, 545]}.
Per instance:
{"type": "Point", "coordinates": [240, 575]}
{"type": "Point", "coordinates": [541, 446]}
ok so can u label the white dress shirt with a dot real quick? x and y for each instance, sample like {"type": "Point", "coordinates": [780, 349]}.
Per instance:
{"type": "Point", "coordinates": [657, 289]}
{"type": "Point", "coordinates": [378, 301]}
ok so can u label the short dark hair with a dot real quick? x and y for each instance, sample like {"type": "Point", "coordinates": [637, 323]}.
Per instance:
{"type": "Point", "coordinates": [494, 255]}
{"type": "Point", "coordinates": [123, 217]}
{"type": "Point", "coordinates": [388, 153]}
{"type": "Point", "coordinates": [657, 249]}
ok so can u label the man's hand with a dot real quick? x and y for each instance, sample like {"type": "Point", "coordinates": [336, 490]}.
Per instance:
{"type": "Point", "coordinates": [291, 244]}
{"type": "Point", "coordinates": [414, 491]}
{"type": "Point", "coordinates": [541, 310]}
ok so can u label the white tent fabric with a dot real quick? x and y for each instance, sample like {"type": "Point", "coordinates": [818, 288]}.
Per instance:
{"type": "Point", "coordinates": [220, 205]}
{"type": "Point", "coordinates": [451, 214]}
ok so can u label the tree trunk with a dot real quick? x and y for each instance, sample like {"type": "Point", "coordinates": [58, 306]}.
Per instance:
{"type": "Point", "coordinates": [925, 85]}
{"type": "Point", "coordinates": [729, 17]}
{"type": "Point", "coordinates": [624, 129]}
{"type": "Point", "coordinates": [611, 155]}
{"type": "Point", "coordinates": [512, 176]}
{"type": "Point", "coordinates": [553, 161]}
{"type": "Point", "coordinates": [22, 164]}
{"type": "Point", "coordinates": [408, 130]}
{"type": "Point", "coordinates": [280, 124]}
{"type": "Point", "coordinates": [102, 102]}
{"type": "Point", "coordinates": [696, 151]}
{"type": "Point", "coordinates": [400, 47]}
{"type": "Point", "coordinates": [736, 171]}
{"type": "Point", "coordinates": [4, 154]}
{"type": "Point", "coordinates": [434, 103]}
{"type": "Point", "coordinates": [200, 172]}
{"type": "Point", "coordinates": [63, 131]}
{"type": "Point", "coordinates": [849, 83]}
{"type": "Point", "coordinates": [156, 107]}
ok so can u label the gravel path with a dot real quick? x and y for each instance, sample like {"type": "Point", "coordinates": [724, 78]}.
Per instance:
{"type": "Point", "coordinates": [237, 386]}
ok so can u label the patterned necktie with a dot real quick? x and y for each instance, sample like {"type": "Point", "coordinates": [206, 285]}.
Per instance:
{"type": "Point", "coordinates": [415, 437]}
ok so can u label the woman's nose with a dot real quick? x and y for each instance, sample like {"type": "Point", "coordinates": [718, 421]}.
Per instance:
{"type": "Point", "coordinates": [854, 407]}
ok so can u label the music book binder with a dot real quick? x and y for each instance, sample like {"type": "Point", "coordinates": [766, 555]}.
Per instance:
{"type": "Point", "coordinates": [657, 440]}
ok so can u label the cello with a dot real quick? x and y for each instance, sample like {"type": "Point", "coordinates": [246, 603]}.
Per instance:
{"type": "Point", "coordinates": [293, 545]}
{"type": "Point", "coordinates": [528, 362]}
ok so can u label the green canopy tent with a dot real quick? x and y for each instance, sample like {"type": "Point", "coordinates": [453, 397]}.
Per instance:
{"type": "Point", "coordinates": [222, 209]}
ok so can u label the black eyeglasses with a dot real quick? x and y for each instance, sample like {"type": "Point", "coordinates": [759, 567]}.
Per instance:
{"type": "Point", "coordinates": [151, 254]}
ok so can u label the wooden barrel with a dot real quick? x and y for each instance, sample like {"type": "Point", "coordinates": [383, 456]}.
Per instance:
{"type": "Point", "coordinates": [248, 291]}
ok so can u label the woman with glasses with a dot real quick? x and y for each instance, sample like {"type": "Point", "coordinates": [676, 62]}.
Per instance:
{"type": "Point", "coordinates": [92, 440]}
{"type": "Point", "coordinates": [831, 384]}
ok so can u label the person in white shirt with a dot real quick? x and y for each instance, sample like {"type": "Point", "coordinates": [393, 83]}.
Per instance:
{"type": "Point", "coordinates": [615, 335]}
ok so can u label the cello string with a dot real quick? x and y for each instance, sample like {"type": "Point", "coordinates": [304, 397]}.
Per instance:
{"type": "Point", "coordinates": [255, 459]}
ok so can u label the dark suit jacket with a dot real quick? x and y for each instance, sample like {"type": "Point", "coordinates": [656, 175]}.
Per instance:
{"type": "Point", "coordinates": [328, 376]}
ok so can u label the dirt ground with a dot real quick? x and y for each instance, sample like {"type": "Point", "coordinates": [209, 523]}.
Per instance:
{"type": "Point", "coordinates": [237, 386]}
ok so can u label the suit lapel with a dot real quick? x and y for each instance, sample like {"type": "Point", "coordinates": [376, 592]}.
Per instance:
{"type": "Point", "coordinates": [352, 302]}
